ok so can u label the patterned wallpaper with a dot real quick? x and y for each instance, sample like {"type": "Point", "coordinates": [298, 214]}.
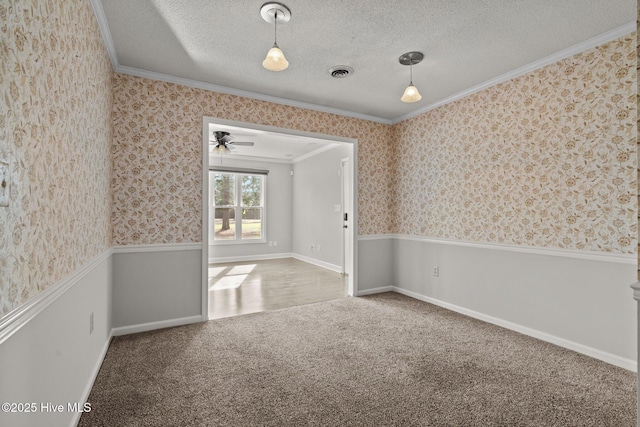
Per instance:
{"type": "Point", "coordinates": [638, 126]}
{"type": "Point", "coordinates": [547, 159]}
{"type": "Point", "coordinates": [55, 130]}
{"type": "Point", "coordinates": [157, 155]}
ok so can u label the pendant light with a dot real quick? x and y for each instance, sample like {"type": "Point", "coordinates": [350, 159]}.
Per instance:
{"type": "Point", "coordinates": [411, 93]}
{"type": "Point", "coordinates": [273, 12]}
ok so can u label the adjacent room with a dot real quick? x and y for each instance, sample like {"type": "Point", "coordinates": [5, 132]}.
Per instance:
{"type": "Point", "coordinates": [279, 233]}
{"type": "Point", "coordinates": [301, 213]}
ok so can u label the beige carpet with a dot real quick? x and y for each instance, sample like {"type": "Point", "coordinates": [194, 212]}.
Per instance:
{"type": "Point", "coordinates": [382, 360]}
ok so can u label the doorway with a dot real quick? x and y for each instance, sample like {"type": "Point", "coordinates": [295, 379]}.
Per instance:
{"type": "Point", "coordinates": [249, 158]}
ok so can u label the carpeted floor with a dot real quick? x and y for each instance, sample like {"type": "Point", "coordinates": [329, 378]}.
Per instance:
{"type": "Point", "coordinates": [382, 360]}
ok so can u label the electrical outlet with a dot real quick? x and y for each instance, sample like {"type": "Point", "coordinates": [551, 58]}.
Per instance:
{"type": "Point", "coordinates": [318, 248]}
{"type": "Point", "coordinates": [91, 323]}
{"type": "Point", "coordinates": [270, 243]}
{"type": "Point", "coordinates": [313, 248]}
{"type": "Point", "coordinates": [275, 243]}
{"type": "Point", "coordinates": [436, 271]}
{"type": "Point", "coordinates": [4, 183]}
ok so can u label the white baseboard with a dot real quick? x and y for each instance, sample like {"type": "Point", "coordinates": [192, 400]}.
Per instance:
{"type": "Point", "coordinates": [92, 379]}
{"type": "Point", "coordinates": [612, 359]}
{"type": "Point", "coordinates": [144, 327]}
{"type": "Point", "coordinates": [219, 260]}
{"type": "Point", "coordinates": [372, 291]}
{"type": "Point", "coordinates": [328, 266]}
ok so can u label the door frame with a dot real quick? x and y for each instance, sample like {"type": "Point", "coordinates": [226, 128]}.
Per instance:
{"type": "Point", "coordinates": [346, 190]}
{"type": "Point", "coordinates": [206, 120]}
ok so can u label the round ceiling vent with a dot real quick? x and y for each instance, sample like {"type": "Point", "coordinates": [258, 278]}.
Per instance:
{"type": "Point", "coordinates": [340, 71]}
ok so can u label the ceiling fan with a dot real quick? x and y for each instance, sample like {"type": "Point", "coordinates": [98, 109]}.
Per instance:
{"type": "Point", "coordinates": [224, 143]}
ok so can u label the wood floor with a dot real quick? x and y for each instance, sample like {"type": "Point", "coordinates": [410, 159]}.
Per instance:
{"type": "Point", "coordinates": [253, 286]}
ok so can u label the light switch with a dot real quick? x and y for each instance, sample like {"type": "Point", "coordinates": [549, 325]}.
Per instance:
{"type": "Point", "coordinates": [337, 208]}
{"type": "Point", "coordinates": [4, 183]}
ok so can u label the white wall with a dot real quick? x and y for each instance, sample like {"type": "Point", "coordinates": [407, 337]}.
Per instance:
{"type": "Point", "coordinates": [316, 190]}
{"type": "Point", "coordinates": [156, 286]}
{"type": "Point", "coordinates": [47, 353]}
{"type": "Point", "coordinates": [279, 211]}
{"type": "Point", "coordinates": [579, 300]}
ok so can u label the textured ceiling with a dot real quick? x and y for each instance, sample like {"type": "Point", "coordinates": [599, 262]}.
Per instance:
{"type": "Point", "coordinates": [465, 43]}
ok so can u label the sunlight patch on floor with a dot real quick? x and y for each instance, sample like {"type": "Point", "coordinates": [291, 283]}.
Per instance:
{"type": "Point", "coordinates": [228, 282]}
{"type": "Point", "coordinates": [242, 269]}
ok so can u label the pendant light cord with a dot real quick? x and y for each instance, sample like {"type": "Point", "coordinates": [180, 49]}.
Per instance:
{"type": "Point", "coordinates": [275, 27]}
{"type": "Point", "coordinates": [411, 72]}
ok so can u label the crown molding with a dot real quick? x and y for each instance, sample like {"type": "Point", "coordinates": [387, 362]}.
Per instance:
{"type": "Point", "coordinates": [565, 53]}
{"type": "Point", "coordinates": [555, 57]}
{"type": "Point", "coordinates": [245, 93]}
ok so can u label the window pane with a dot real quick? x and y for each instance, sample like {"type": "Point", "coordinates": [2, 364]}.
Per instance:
{"type": "Point", "coordinates": [252, 190]}
{"type": "Point", "coordinates": [225, 189]}
{"type": "Point", "coordinates": [251, 223]}
{"type": "Point", "coordinates": [224, 224]}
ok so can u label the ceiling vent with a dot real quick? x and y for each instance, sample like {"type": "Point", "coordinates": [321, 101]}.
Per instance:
{"type": "Point", "coordinates": [340, 71]}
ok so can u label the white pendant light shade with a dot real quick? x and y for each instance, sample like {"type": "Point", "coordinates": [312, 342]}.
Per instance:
{"type": "Point", "coordinates": [275, 60]}
{"type": "Point", "coordinates": [275, 13]}
{"type": "Point", "coordinates": [411, 94]}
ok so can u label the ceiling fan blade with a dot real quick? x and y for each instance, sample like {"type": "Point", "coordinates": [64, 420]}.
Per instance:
{"type": "Point", "coordinates": [246, 143]}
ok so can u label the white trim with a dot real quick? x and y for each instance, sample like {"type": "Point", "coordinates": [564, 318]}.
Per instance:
{"type": "Point", "coordinates": [555, 57]}
{"type": "Point", "coordinates": [92, 378]}
{"type": "Point", "coordinates": [630, 259]}
{"type": "Point", "coordinates": [565, 53]}
{"type": "Point", "coordinates": [328, 266]}
{"type": "Point", "coordinates": [150, 326]}
{"type": "Point", "coordinates": [241, 258]}
{"type": "Point", "coordinates": [160, 247]}
{"type": "Point", "coordinates": [314, 153]}
{"type": "Point", "coordinates": [367, 237]}
{"type": "Point", "coordinates": [612, 359]}
{"type": "Point", "coordinates": [265, 128]}
{"type": "Point", "coordinates": [378, 290]}
{"type": "Point", "coordinates": [103, 25]}
{"type": "Point", "coordinates": [636, 291]}
{"type": "Point", "coordinates": [21, 315]}
{"type": "Point", "coordinates": [206, 163]}
{"type": "Point", "coordinates": [246, 94]}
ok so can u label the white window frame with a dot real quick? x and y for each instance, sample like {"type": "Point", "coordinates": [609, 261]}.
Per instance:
{"type": "Point", "coordinates": [238, 208]}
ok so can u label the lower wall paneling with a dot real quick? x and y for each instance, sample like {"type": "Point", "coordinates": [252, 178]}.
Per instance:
{"type": "Point", "coordinates": [156, 286]}
{"type": "Point", "coordinates": [48, 355]}
{"type": "Point", "coordinates": [579, 300]}
{"type": "Point", "coordinates": [375, 264]}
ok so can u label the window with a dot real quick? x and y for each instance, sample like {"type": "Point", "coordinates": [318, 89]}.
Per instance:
{"type": "Point", "coordinates": [237, 207]}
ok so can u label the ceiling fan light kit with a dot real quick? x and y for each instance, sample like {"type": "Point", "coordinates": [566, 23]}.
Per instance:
{"type": "Point", "coordinates": [224, 143]}
{"type": "Point", "coordinates": [411, 93]}
{"type": "Point", "coordinates": [275, 13]}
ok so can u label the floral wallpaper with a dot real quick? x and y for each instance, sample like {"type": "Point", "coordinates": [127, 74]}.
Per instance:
{"type": "Point", "coordinates": [547, 159]}
{"type": "Point", "coordinates": [157, 157]}
{"type": "Point", "coordinates": [638, 125]}
{"type": "Point", "coordinates": [55, 132]}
